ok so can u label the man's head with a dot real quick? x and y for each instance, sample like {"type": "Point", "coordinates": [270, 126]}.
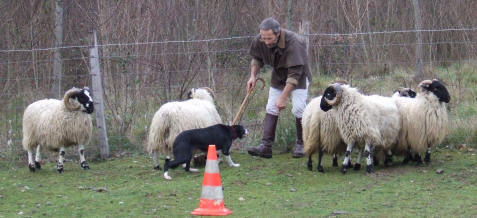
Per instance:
{"type": "Point", "coordinates": [269, 32]}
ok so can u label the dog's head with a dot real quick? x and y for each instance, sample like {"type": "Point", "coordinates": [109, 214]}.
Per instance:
{"type": "Point", "coordinates": [239, 131]}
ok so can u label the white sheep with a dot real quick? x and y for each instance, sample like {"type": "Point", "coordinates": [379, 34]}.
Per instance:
{"type": "Point", "coordinates": [175, 117]}
{"type": "Point", "coordinates": [401, 96]}
{"type": "Point", "coordinates": [372, 120]}
{"type": "Point", "coordinates": [424, 120]}
{"type": "Point", "coordinates": [53, 124]}
{"type": "Point", "coordinates": [320, 133]}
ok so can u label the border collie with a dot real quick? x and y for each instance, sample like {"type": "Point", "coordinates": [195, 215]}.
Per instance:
{"type": "Point", "coordinates": [187, 141]}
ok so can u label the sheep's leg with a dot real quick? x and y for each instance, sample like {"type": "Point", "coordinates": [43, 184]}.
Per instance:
{"type": "Point", "coordinates": [83, 163]}
{"type": "Point", "coordinates": [230, 162]}
{"type": "Point", "coordinates": [375, 160]}
{"type": "Point", "coordinates": [335, 160]}
{"type": "Point", "coordinates": [320, 165]}
{"type": "Point", "coordinates": [407, 158]}
{"type": "Point", "coordinates": [418, 159]}
{"type": "Point", "coordinates": [427, 158]}
{"type": "Point", "coordinates": [369, 159]}
{"type": "Point", "coordinates": [156, 162]}
{"type": "Point", "coordinates": [37, 158]}
{"type": "Point", "coordinates": [347, 159]}
{"type": "Point", "coordinates": [59, 165]}
{"type": "Point", "coordinates": [388, 160]}
{"type": "Point", "coordinates": [31, 164]}
{"type": "Point", "coordinates": [310, 163]}
{"type": "Point", "coordinates": [357, 165]}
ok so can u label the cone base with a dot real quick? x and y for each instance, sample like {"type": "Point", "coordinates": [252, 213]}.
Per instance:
{"type": "Point", "coordinates": [211, 212]}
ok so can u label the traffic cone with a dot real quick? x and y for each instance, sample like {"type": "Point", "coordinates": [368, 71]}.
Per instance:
{"type": "Point", "coordinates": [211, 201]}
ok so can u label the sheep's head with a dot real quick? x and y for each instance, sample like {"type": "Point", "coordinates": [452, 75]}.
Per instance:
{"type": "Point", "coordinates": [406, 92]}
{"type": "Point", "coordinates": [437, 88]}
{"type": "Point", "coordinates": [204, 93]}
{"type": "Point", "coordinates": [79, 99]}
{"type": "Point", "coordinates": [331, 96]}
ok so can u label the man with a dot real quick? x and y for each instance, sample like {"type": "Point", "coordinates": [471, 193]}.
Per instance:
{"type": "Point", "coordinates": [285, 52]}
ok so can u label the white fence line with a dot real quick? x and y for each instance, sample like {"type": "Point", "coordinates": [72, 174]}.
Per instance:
{"type": "Point", "coordinates": [234, 37]}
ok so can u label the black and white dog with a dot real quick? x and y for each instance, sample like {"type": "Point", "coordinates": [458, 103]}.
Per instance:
{"type": "Point", "coordinates": [186, 142]}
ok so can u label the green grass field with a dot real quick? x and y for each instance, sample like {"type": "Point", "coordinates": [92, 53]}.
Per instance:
{"type": "Point", "coordinates": [277, 187]}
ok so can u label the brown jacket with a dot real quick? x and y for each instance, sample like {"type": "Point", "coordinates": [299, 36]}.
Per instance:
{"type": "Point", "coordinates": [288, 59]}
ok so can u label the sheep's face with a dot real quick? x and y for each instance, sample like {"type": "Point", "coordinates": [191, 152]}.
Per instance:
{"type": "Point", "coordinates": [190, 93]}
{"type": "Point", "coordinates": [331, 97]}
{"type": "Point", "coordinates": [85, 100]}
{"type": "Point", "coordinates": [204, 93]}
{"type": "Point", "coordinates": [437, 88]}
{"type": "Point", "coordinates": [406, 92]}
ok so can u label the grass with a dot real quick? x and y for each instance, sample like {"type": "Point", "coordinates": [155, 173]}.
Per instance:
{"type": "Point", "coordinates": [128, 187]}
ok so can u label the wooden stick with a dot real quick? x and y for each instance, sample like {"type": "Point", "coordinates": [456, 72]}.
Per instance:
{"type": "Point", "coordinates": [244, 103]}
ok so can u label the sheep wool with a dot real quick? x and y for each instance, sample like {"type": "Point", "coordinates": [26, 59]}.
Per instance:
{"type": "Point", "coordinates": [424, 120]}
{"type": "Point", "coordinates": [361, 119]}
{"type": "Point", "coordinates": [48, 122]}
{"type": "Point", "coordinates": [427, 122]}
{"type": "Point", "coordinates": [53, 124]}
{"type": "Point", "coordinates": [173, 118]}
{"type": "Point", "coordinates": [320, 132]}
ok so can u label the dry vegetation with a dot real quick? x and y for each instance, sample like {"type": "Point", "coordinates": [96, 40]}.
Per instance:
{"type": "Point", "coordinates": [141, 74]}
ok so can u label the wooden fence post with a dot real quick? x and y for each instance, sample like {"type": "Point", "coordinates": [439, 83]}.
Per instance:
{"type": "Point", "coordinates": [418, 26]}
{"type": "Point", "coordinates": [98, 99]}
{"type": "Point", "coordinates": [57, 62]}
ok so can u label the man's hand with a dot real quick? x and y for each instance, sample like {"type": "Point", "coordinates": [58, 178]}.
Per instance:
{"type": "Point", "coordinates": [251, 83]}
{"type": "Point", "coordinates": [281, 102]}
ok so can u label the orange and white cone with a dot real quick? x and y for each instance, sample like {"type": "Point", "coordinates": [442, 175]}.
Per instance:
{"type": "Point", "coordinates": [211, 201]}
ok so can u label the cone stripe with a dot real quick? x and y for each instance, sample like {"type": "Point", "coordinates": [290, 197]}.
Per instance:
{"type": "Point", "coordinates": [212, 179]}
{"type": "Point", "coordinates": [211, 153]}
{"type": "Point", "coordinates": [212, 166]}
{"type": "Point", "coordinates": [212, 193]}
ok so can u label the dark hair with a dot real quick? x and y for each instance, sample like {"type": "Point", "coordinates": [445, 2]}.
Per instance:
{"type": "Point", "coordinates": [270, 24]}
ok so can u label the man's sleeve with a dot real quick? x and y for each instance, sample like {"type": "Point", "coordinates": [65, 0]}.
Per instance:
{"type": "Point", "coordinates": [255, 53]}
{"type": "Point", "coordinates": [294, 74]}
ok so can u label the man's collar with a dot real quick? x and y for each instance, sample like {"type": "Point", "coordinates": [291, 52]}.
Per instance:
{"type": "Point", "coordinates": [281, 41]}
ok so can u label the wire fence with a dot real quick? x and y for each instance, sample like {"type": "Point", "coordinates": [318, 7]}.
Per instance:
{"type": "Point", "coordinates": [139, 77]}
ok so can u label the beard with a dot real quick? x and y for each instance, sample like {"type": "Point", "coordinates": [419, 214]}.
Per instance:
{"type": "Point", "coordinates": [273, 45]}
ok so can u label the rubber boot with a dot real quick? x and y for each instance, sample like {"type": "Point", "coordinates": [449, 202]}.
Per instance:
{"type": "Point", "coordinates": [299, 150]}
{"type": "Point", "coordinates": [265, 148]}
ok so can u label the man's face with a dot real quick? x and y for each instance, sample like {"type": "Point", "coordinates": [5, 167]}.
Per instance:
{"type": "Point", "coordinates": [269, 38]}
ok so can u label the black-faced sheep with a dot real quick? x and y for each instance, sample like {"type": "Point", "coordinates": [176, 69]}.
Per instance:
{"type": "Point", "coordinates": [320, 133]}
{"type": "Point", "coordinates": [173, 118]}
{"type": "Point", "coordinates": [424, 120]}
{"type": "Point", "coordinates": [372, 120]}
{"type": "Point", "coordinates": [53, 124]}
